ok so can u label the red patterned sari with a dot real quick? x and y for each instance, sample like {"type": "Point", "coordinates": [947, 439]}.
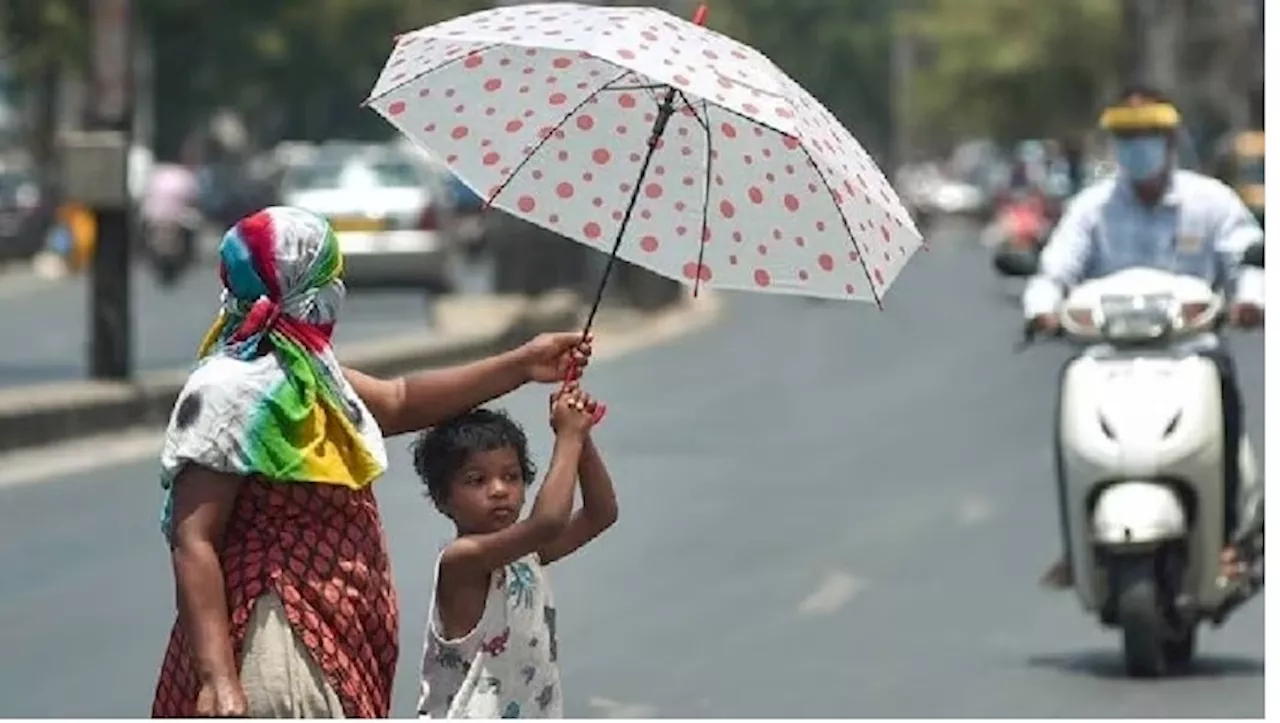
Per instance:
{"type": "Point", "coordinates": [322, 550]}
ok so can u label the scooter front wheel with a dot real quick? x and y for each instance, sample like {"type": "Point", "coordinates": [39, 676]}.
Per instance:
{"type": "Point", "coordinates": [1141, 618]}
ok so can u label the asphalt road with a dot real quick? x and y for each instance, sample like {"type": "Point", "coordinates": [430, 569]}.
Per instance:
{"type": "Point", "coordinates": [47, 322]}
{"type": "Point", "coordinates": [827, 511]}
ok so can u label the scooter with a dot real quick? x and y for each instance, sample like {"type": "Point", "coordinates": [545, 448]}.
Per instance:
{"type": "Point", "coordinates": [1140, 445]}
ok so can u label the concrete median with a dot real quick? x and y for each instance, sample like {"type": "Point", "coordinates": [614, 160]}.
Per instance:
{"type": "Point", "coordinates": [468, 328]}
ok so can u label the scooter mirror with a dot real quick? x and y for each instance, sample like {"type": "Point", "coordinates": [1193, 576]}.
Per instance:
{"type": "Point", "coordinates": [1253, 256]}
{"type": "Point", "coordinates": [1016, 264]}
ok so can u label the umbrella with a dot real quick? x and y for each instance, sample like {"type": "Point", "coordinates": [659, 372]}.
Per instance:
{"type": "Point", "coordinates": [655, 140]}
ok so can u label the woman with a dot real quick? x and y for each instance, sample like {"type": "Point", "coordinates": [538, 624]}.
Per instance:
{"type": "Point", "coordinates": [284, 594]}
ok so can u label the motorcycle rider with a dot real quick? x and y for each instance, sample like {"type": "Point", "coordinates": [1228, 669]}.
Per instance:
{"type": "Point", "coordinates": [1154, 214]}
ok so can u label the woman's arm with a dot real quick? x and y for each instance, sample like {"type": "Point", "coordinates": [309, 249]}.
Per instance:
{"type": "Point", "coordinates": [417, 401]}
{"type": "Point", "coordinates": [599, 507]}
{"type": "Point", "coordinates": [202, 503]}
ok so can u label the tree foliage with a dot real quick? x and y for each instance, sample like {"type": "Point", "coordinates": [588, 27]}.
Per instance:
{"type": "Point", "coordinates": [300, 68]}
{"type": "Point", "coordinates": [1012, 68]}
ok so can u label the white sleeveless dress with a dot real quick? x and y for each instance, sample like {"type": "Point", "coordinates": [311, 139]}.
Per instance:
{"type": "Point", "coordinates": [506, 666]}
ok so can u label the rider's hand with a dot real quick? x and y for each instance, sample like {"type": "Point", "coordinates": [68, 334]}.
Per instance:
{"type": "Point", "coordinates": [1247, 315]}
{"type": "Point", "coordinates": [1046, 323]}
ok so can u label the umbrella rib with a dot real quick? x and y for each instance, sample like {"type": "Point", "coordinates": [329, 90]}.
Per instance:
{"type": "Point", "coordinates": [641, 86]}
{"type": "Point", "coordinates": [844, 222]}
{"type": "Point", "coordinates": [429, 71]}
{"type": "Point", "coordinates": [706, 187]}
{"type": "Point", "coordinates": [548, 136]}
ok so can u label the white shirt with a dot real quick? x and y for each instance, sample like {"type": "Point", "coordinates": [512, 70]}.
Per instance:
{"type": "Point", "coordinates": [1199, 228]}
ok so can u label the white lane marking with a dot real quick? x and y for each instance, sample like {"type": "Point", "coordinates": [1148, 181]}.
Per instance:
{"type": "Point", "coordinates": [835, 591]}
{"type": "Point", "coordinates": [77, 456]}
{"type": "Point", "coordinates": [613, 709]}
{"type": "Point", "coordinates": [974, 511]}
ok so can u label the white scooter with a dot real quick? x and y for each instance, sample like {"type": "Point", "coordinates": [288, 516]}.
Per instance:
{"type": "Point", "coordinates": [1140, 458]}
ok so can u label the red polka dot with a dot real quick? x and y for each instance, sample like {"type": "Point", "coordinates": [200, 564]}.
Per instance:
{"type": "Point", "coordinates": [473, 61]}
{"type": "Point", "coordinates": [592, 230]}
{"type": "Point", "coordinates": [694, 270]}
{"type": "Point", "coordinates": [762, 278]}
{"type": "Point", "coordinates": [526, 204]}
{"type": "Point", "coordinates": [762, 250]}
{"type": "Point", "coordinates": [799, 241]}
{"type": "Point", "coordinates": [561, 63]}
{"type": "Point", "coordinates": [733, 260]}
{"type": "Point", "coordinates": [586, 122]}
{"type": "Point", "coordinates": [790, 142]}
{"type": "Point", "coordinates": [626, 54]}
{"type": "Point", "coordinates": [564, 190]}
{"type": "Point", "coordinates": [848, 289]}
{"type": "Point", "coordinates": [514, 126]}
{"type": "Point", "coordinates": [680, 80]}
{"type": "Point", "coordinates": [396, 108]}
{"type": "Point", "coordinates": [884, 231]}
{"type": "Point", "coordinates": [491, 159]}
{"type": "Point", "coordinates": [756, 195]}
{"type": "Point", "coordinates": [554, 218]}
{"type": "Point", "coordinates": [626, 100]}
{"type": "Point", "coordinates": [879, 277]}
{"type": "Point", "coordinates": [493, 84]}
{"type": "Point", "coordinates": [727, 210]}
{"type": "Point", "coordinates": [791, 202]}
{"type": "Point", "coordinates": [600, 156]}
{"type": "Point", "coordinates": [826, 262]}
{"type": "Point", "coordinates": [653, 190]}
{"type": "Point", "coordinates": [459, 133]}
{"type": "Point", "coordinates": [821, 226]}
{"type": "Point", "coordinates": [728, 130]}
{"type": "Point", "coordinates": [649, 244]}
{"type": "Point", "coordinates": [804, 275]}
{"type": "Point", "coordinates": [557, 99]}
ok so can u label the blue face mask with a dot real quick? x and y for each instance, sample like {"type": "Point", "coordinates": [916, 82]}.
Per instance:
{"type": "Point", "coordinates": [1142, 158]}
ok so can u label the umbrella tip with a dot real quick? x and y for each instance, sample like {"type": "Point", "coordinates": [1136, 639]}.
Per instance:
{"type": "Point", "coordinates": [700, 15]}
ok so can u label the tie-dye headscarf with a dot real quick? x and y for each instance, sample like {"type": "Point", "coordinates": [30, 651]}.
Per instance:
{"type": "Point", "coordinates": [268, 397]}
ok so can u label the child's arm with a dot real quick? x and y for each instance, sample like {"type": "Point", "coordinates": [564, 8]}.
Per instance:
{"type": "Point", "coordinates": [599, 507]}
{"type": "Point", "coordinates": [473, 557]}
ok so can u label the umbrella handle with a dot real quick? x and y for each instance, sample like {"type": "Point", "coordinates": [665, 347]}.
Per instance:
{"type": "Point", "coordinates": [700, 15]}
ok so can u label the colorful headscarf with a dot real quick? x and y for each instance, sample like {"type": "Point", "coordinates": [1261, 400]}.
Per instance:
{"type": "Point", "coordinates": [267, 397]}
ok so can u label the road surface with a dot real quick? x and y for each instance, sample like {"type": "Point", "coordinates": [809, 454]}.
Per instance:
{"type": "Point", "coordinates": [825, 511]}
{"type": "Point", "coordinates": [46, 322]}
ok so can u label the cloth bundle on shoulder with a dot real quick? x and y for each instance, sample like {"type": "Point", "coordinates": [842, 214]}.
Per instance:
{"type": "Point", "coordinates": [267, 397]}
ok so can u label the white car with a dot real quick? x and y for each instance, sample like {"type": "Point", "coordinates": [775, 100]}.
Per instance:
{"type": "Point", "coordinates": [392, 214]}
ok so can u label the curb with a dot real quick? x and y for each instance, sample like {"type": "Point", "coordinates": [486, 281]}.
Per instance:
{"type": "Point", "coordinates": [66, 411]}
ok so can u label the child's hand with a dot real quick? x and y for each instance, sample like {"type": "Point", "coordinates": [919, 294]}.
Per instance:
{"type": "Point", "coordinates": [573, 411]}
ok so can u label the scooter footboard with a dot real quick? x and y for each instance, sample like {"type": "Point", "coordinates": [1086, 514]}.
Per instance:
{"type": "Point", "coordinates": [1138, 512]}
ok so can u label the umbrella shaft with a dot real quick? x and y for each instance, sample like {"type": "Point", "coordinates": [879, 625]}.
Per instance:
{"type": "Point", "coordinates": [665, 110]}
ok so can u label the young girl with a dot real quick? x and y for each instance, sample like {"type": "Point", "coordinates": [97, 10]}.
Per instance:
{"type": "Point", "coordinates": [491, 635]}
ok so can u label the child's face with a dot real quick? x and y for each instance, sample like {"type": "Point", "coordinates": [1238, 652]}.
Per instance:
{"type": "Point", "coordinates": [487, 494]}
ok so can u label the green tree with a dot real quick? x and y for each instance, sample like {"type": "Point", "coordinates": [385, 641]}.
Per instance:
{"type": "Point", "coordinates": [1011, 68]}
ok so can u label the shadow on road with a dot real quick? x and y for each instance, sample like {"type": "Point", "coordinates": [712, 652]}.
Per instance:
{"type": "Point", "coordinates": [1109, 665]}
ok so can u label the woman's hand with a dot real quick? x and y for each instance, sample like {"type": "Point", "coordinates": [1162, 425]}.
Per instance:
{"type": "Point", "coordinates": [555, 357]}
{"type": "Point", "coordinates": [222, 698]}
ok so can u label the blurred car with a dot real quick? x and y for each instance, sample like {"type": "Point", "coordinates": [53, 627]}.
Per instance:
{"type": "Point", "coordinates": [392, 214]}
{"type": "Point", "coordinates": [24, 215]}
